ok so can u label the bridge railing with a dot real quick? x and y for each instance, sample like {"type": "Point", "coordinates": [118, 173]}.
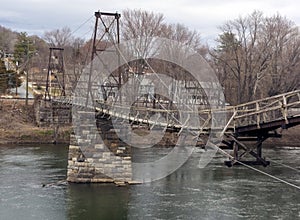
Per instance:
{"type": "Point", "coordinates": [266, 110]}
{"type": "Point", "coordinates": [172, 118]}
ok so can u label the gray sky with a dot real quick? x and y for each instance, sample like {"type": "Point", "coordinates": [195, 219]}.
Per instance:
{"type": "Point", "coordinates": [37, 16]}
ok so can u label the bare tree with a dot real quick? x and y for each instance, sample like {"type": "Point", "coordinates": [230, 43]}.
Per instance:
{"type": "Point", "coordinates": [181, 33]}
{"type": "Point", "coordinates": [255, 54]}
{"type": "Point", "coordinates": [284, 49]}
{"type": "Point", "coordinates": [73, 54]}
{"type": "Point", "coordinates": [76, 61]}
{"type": "Point", "coordinates": [59, 37]}
{"type": "Point", "coordinates": [142, 26]}
{"type": "Point", "coordinates": [8, 39]}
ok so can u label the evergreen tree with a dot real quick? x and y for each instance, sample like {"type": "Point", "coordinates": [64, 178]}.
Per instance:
{"type": "Point", "coordinates": [24, 48]}
{"type": "Point", "coordinates": [13, 79]}
{"type": "Point", "coordinates": [3, 77]}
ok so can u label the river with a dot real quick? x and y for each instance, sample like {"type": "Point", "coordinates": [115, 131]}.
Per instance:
{"type": "Point", "coordinates": [214, 192]}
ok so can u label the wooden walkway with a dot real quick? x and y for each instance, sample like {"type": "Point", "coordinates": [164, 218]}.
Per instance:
{"type": "Point", "coordinates": [245, 119]}
{"type": "Point", "coordinates": [252, 121]}
{"type": "Point", "coordinates": [267, 114]}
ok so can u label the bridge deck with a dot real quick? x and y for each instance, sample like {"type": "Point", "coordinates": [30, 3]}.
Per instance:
{"type": "Point", "coordinates": [249, 118]}
{"type": "Point", "coordinates": [254, 130]}
{"type": "Point", "coordinates": [255, 119]}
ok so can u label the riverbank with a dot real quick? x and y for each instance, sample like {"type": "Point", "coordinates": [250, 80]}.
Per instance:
{"type": "Point", "coordinates": [290, 137]}
{"type": "Point", "coordinates": [17, 125]}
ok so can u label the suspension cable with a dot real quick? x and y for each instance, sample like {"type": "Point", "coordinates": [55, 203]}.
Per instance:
{"type": "Point", "coordinates": [284, 165]}
{"type": "Point", "coordinates": [80, 26]}
{"type": "Point", "coordinates": [163, 107]}
{"type": "Point", "coordinates": [252, 168]}
{"type": "Point", "coordinates": [269, 175]}
{"type": "Point", "coordinates": [219, 149]}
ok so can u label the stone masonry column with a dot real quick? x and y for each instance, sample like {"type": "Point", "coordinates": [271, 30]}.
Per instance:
{"type": "Point", "coordinates": [94, 160]}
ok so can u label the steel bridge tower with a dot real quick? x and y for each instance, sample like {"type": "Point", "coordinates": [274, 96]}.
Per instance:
{"type": "Point", "coordinates": [55, 84]}
{"type": "Point", "coordinates": [106, 34]}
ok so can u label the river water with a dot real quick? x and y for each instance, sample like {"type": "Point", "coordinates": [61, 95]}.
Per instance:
{"type": "Point", "coordinates": [214, 192]}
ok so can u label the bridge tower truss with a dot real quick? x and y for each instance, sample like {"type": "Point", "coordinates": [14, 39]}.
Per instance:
{"type": "Point", "coordinates": [106, 35]}
{"type": "Point", "coordinates": [55, 84]}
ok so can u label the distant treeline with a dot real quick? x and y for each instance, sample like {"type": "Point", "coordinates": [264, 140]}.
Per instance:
{"type": "Point", "coordinates": [254, 56]}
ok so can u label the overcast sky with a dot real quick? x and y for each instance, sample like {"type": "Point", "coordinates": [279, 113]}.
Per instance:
{"type": "Point", "coordinates": [37, 16]}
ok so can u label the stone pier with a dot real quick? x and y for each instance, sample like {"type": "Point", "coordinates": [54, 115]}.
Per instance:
{"type": "Point", "coordinates": [96, 154]}
{"type": "Point", "coordinates": [48, 113]}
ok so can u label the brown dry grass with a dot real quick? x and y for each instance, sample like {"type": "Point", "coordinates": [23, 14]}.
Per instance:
{"type": "Point", "coordinates": [17, 125]}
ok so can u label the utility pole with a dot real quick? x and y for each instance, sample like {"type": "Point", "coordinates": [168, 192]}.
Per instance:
{"type": "Point", "coordinates": [17, 74]}
{"type": "Point", "coordinates": [27, 73]}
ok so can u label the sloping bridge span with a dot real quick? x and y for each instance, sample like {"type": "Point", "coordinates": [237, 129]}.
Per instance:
{"type": "Point", "coordinates": [280, 111]}
{"type": "Point", "coordinates": [258, 120]}
{"type": "Point", "coordinates": [253, 121]}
